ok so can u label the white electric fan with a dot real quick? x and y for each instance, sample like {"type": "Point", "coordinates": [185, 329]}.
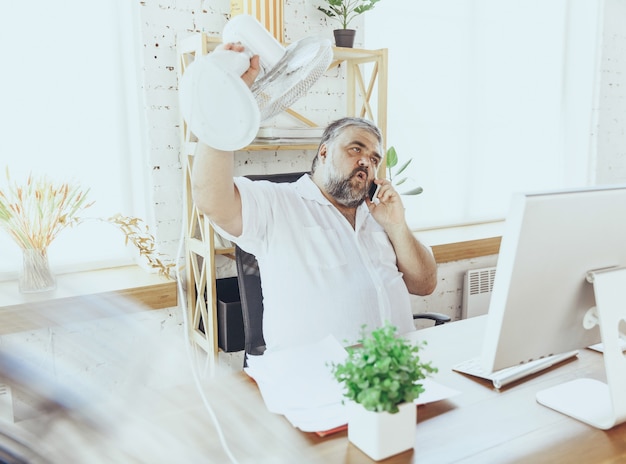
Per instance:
{"type": "Point", "coordinates": [218, 106]}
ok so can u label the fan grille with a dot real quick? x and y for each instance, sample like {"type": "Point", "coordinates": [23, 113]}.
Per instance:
{"type": "Point", "coordinates": [303, 63]}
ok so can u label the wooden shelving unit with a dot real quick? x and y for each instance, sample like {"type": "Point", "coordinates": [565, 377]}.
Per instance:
{"type": "Point", "coordinates": [366, 82]}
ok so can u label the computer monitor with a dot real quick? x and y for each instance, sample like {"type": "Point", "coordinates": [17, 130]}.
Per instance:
{"type": "Point", "coordinates": [541, 294]}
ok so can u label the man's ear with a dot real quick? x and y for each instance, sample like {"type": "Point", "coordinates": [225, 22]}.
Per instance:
{"type": "Point", "coordinates": [322, 152]}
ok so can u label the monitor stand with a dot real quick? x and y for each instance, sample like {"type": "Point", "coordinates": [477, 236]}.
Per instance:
{"type": "Point", "coordinates": [601, 405]}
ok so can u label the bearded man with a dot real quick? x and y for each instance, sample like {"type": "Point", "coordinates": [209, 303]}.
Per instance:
{"type": "Point", "coordinates": [331, 259]}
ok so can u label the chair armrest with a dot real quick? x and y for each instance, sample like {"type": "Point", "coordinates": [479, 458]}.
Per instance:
{"type": "Point", "coordinates": [437, 317]}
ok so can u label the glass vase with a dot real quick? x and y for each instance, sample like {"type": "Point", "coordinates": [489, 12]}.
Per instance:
{"type": "Point", "coordinates": [36, 275]}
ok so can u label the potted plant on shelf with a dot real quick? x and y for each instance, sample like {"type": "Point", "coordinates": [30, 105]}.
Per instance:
{"type": "Point", "coordinates": [381, 378]}
{"type": "Point", "coordinates": [391, 161]}
{"type": "Point", "coordinates": [344, 11]}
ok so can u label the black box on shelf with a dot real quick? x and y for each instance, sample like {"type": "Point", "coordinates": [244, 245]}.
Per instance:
{"type": "Point", "coordinates": [230, 335]}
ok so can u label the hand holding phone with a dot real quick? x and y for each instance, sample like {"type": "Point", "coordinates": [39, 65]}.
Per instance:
{"type": "Point", "coordinates": [373, 191]}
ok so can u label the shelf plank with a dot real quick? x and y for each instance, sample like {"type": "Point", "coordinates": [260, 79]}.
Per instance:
{"type": "Point", "coordinates": [466, 250]}
{"type": "Point", "coordinates": [225, 251]}
{"type": "Point", "coordinates": [149, 291]}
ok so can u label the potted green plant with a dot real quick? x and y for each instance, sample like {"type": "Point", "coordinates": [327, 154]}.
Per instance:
{"type": "Point", "coordinates": [381, 378]}
{"type": "Point", "coordinates": [344, 11]}
{"type": "Point", "coordinates": [391, 161]}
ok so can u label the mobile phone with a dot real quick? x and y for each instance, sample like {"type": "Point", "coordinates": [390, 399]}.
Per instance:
{"type": "Point", "coordinates": [373, 191]}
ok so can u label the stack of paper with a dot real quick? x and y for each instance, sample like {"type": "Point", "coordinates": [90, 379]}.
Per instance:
{"type": "Point", "coordinates": [299, 384]}
{"type": "Point", "coordinates": [289, 135]}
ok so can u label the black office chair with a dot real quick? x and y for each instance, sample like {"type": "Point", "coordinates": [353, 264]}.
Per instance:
{"type": "Point", "coordinates": [249, 281]}
{"type": "Point", "coordinates": [251, 296]}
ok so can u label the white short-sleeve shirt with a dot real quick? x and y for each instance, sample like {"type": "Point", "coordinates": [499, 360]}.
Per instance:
{"type": "Point", "coordinates": [319, 275]}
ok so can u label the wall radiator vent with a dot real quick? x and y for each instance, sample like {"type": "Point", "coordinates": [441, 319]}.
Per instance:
{"type": "Point", "coordinates": [477, 289]}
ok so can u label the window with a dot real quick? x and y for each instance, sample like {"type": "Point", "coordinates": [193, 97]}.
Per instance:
{"type": "Point", "coordinates": [70, 109]}
{"type": "Point", "coordinates": [488, 97]}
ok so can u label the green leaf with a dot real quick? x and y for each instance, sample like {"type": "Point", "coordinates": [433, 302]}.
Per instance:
{"type": "Point", "coordinates": [415, 191]}
{"type": "Point", "coordinates": [404, 166]}
{"type": "Point", "coordinates": [392, 157]}
{"type": "Point", "coordinates": [329, 13]}
{"type": "Point", "coordinates": [344, 11]}
{"type": "Point", "coordinates": [382, 372]}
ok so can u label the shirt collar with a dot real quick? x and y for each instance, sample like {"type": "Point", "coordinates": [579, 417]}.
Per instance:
{"type": "Point", "coordinates": [308, 190]}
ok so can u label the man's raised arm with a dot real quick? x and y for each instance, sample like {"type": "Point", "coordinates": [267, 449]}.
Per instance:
{"type": "Point", "coordinates": [213, 190]}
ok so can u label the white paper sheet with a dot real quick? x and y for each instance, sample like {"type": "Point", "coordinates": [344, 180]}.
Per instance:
{"type": "Point", "coordinates": [299, 384]}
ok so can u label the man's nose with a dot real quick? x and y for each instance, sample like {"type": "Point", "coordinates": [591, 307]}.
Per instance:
{"type": "Point", "coordinates": [364, 161]}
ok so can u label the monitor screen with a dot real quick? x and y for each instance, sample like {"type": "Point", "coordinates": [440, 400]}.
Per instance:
{"type": "Point", "coordinates": [540, 293]}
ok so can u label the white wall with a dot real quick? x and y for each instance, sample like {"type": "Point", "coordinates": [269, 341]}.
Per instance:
{"type": "Point", "coordinates": [609, 130]}
{"type": "Point", "coordinates": [484, 106]}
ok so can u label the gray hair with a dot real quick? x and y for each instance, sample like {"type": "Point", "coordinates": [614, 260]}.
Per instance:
{"type": "Point", "coordinates": [335, 128]}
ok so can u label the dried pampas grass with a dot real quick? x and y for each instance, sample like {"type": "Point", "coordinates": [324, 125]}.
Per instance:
{"type": "Point", "coordinates": [33, 214]}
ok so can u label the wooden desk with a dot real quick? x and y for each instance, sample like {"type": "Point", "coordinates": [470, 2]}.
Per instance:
{"type": "Point", "coordinates": [481, 425]}
{"type": "Point", "coordinates": [170, 423]}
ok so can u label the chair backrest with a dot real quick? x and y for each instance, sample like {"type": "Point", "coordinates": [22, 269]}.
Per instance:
{"type": "Point", "coordinates": [251, 297]}
{"type": "Point", "coordinates": [249, 280]}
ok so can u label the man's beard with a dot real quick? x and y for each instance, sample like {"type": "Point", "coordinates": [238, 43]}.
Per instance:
{"type": "Point", "coordinates": [341, 188]}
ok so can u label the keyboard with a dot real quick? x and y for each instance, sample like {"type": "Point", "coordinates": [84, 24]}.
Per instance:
{"type": "Point", "coordinates": [600, 346]}
{"type": "Point", "coordinates": [509, 375]}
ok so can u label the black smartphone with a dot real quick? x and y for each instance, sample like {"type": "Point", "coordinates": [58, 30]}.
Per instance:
{"type": "Point", "coordinates": [373, 191]}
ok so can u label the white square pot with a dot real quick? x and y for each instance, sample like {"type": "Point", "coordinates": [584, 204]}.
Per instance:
{"type": "Point", "coordinates": [380, 434]}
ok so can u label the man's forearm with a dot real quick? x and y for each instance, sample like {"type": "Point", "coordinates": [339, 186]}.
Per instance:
{"type": "Point", "coordinates": [213, 190]}
{"type": "Point", "coordinates": [415, 261]}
